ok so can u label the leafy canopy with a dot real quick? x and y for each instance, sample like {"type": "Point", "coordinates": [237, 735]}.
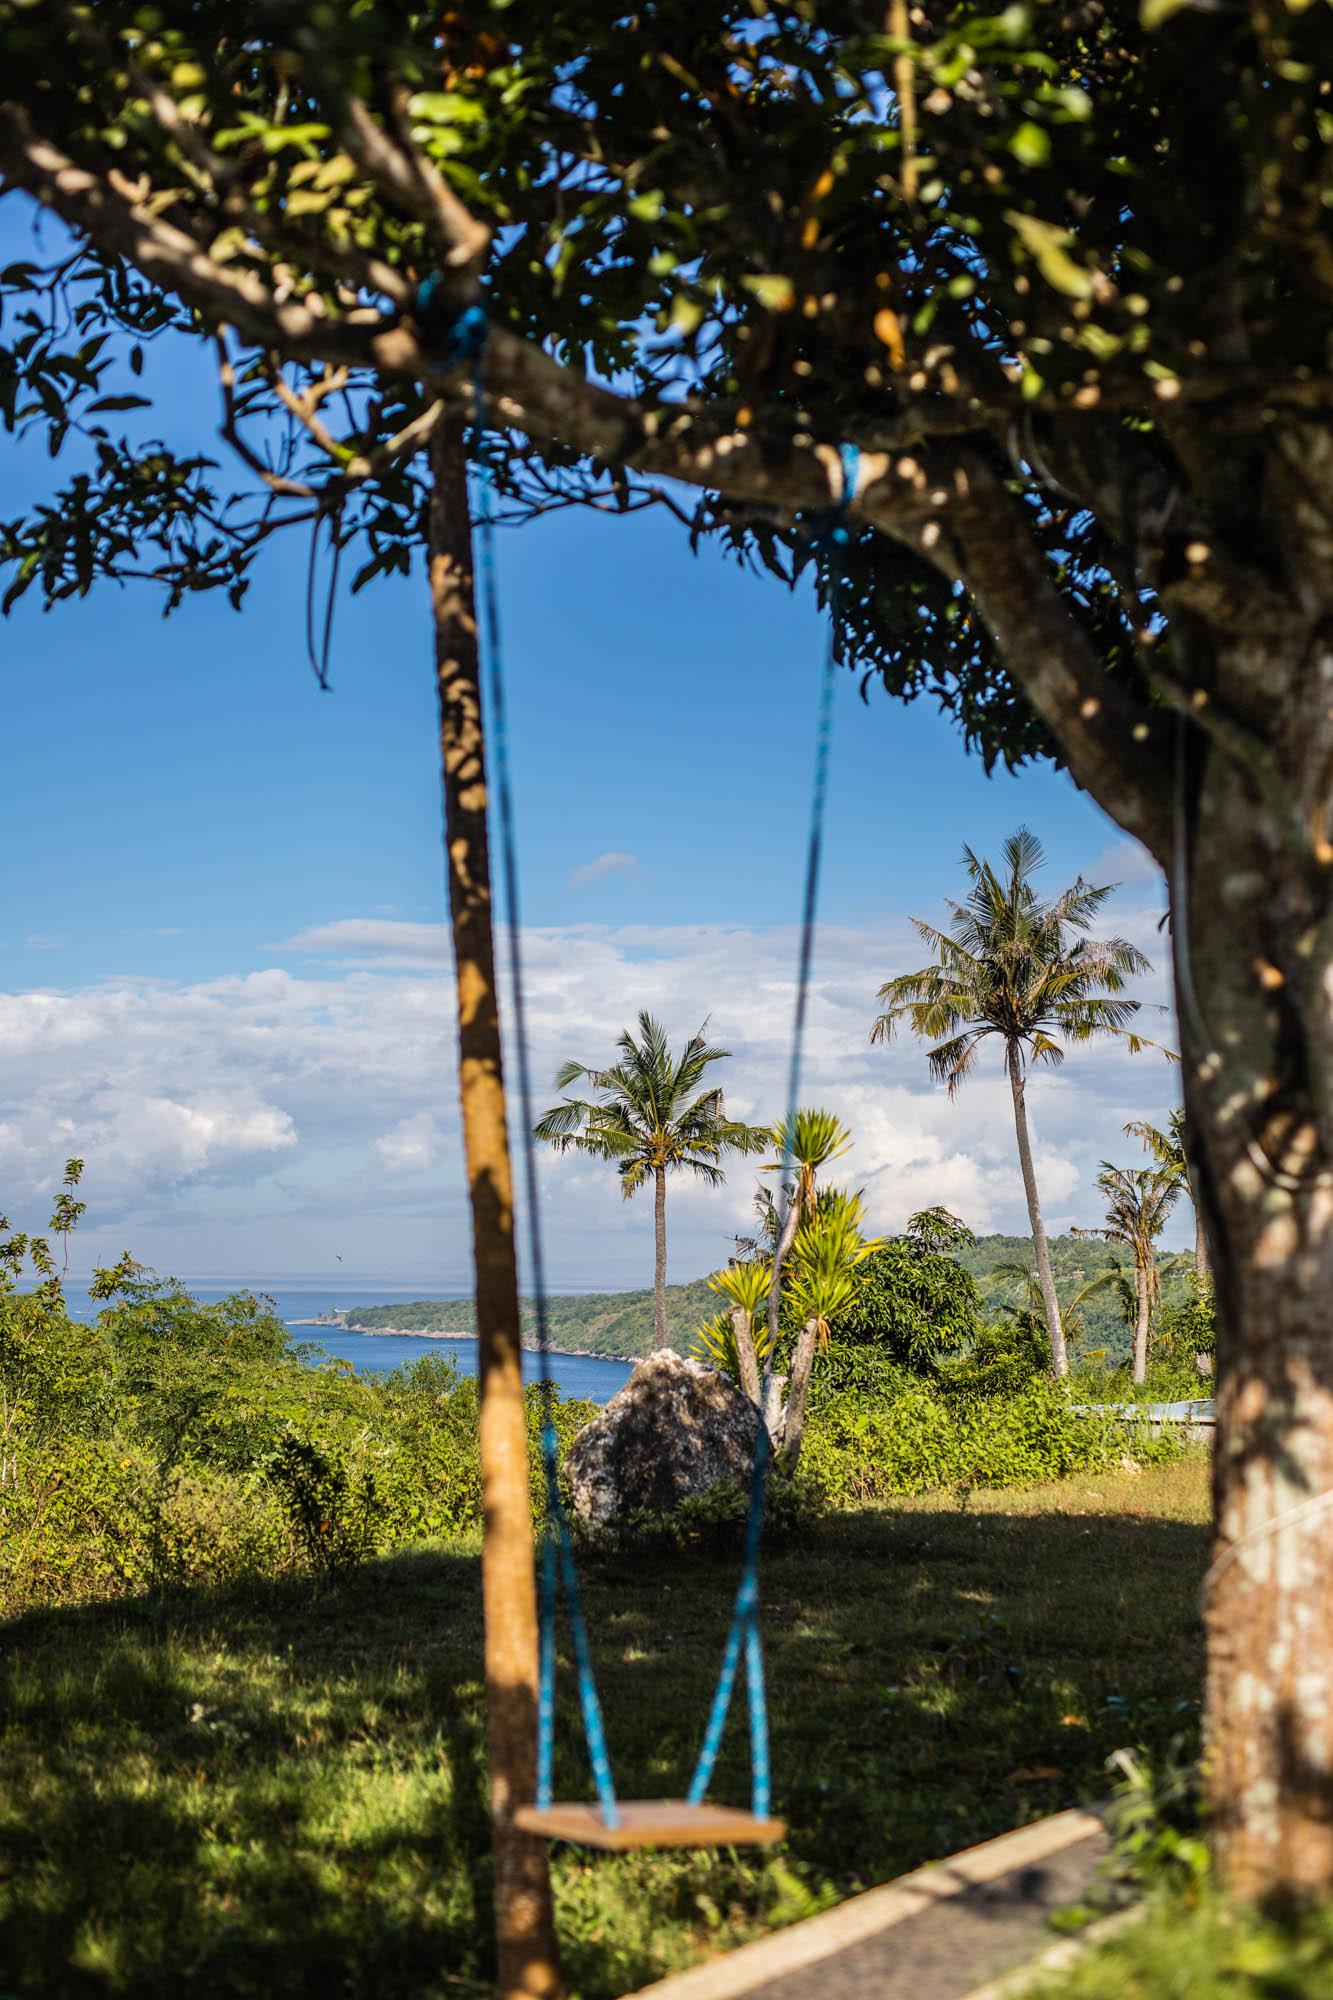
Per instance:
{"type": "Point", "coordinates": [1003, 248]}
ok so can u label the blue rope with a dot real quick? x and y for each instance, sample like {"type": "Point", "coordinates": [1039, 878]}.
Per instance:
{"type": "Point", "coordinates": [469, 339]}
{"type": "Point", "coordinates": [745, 1617]}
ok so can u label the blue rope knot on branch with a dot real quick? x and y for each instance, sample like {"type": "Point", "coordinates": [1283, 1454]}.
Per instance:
{"type": "Point", "coordinates": [829, 526]}
{"type": "Point", "coordinates": [456, 336]}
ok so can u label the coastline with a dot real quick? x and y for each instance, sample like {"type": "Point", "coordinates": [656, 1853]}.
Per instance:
{"type": "Point", "coordinates": [528, 1345]}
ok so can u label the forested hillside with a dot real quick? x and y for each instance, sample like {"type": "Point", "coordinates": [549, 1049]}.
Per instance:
{"type": "Point", "coordinates": [613, 1323]}
{"type": "Point", "coordinates": [621, 1323]}
{"type": "Point", "coordinates": [1075, 1261]}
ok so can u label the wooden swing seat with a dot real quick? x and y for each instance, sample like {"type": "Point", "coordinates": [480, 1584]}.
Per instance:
{"type": "Point", "coordinates": [651, 1823]}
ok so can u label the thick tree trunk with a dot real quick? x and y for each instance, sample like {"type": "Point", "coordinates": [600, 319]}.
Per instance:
{"type": "Point", "coordinates": [793, 1427]}
{"type": "Point", "coordinates": [1142, 1302]}
{"type": "Point", "coordinates": [659, 1270]}
{"type": "Point", "coordinates": [742, 1329]}
{"type": "Point", "coordinates": [525, 1933]}
{"type": "Point", "coordinates": [1059, 1358]}
{"type": "Point", "coordinates": [1252, 925]}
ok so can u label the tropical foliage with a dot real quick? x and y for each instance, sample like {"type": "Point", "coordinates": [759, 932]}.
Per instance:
{"type": "Point", "coordinates": [1028, 973]}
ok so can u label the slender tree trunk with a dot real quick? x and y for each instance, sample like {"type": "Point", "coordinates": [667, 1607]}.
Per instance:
{"type": "Point", "coordinates": [659, 1272]}
{"type": "Point", "coordinates": [742, 1329]}
{"type": "Point", "coordinates": [781, 1248]}
{"type": "Point", "coordinates": [527, 1967]}
{"type": "Point", "coordinates": [1059, 1358]}
{"type": "Point", "coordinates": [1142, 1304]}
{"type": "Point", "coordinates": [793, 1426]}
{"type": "Point", "coordinates": [1200, 1249]}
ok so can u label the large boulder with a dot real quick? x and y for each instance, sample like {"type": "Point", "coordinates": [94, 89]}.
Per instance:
{"type": "Point", "coordinates": [675, 1429]}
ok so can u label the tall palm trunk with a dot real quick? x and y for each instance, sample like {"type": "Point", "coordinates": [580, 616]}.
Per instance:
{"type": "Point", "coordinates": [1143, 1304]}
{"type": "Point", "coordinates": [786, 1237]}
{"type": "Point", "coordinates": [659, 1273]}
{"type": "Point", "coordinates": [527, 1968]}
{"type": "Point", "coordinates": [1059, 1358]}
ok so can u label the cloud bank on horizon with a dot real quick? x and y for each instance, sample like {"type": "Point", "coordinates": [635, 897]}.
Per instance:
{"type": "Point", "coordinates": [250, 1126]}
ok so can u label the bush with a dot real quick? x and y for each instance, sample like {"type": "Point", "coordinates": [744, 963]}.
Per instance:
{"type": "Point", "coordinates": [927, 1436]}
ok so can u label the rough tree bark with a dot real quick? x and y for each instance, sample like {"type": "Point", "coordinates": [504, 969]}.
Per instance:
{"type": "Point", "coordinates": [659, 1270]}
{"type": "Point", "coordinates": [793, 1423]}
{"type": "Point", "coordinates": [742, 1331]}
{"type": "Point", "coordinates": [527, 1967]}
{"type": "Point", "coordinates": [1059, 1358]}
{"type": "Point", "coordinates": [1257, 1036]}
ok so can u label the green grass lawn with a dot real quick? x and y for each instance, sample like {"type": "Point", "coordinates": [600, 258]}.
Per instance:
{"type": "Point", "coordinates": [279, 1789]}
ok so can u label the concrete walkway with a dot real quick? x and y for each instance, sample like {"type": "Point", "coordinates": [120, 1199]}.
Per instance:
{"type": "Point", "coordinates": [941, 1933]}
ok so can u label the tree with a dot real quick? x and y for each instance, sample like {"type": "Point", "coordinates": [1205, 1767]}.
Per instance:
{"type": "Point", "coordinates": [1028, 972]}
{"type": "Point", "coordinates": [827, 1253]}
{"type": "Point", "coordinates": [1168, 1149]}
{"type": "Point", "coordinates": [913, 1299]}
{"type": "Point", "coordinates": [730, 1340]}
{"type": "Point", "coordinates": [1061, 274]}
{"type": "Point", "coordinates": [1139, 1200]}
{"type": "Point", "coordinates": [653, 1114]}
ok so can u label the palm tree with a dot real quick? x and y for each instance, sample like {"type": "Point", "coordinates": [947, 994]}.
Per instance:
{"type": "Point", "coordinates": [1027, 971]}
{"type": "Point", "coordinates": [1168, 1149]}
{"type": "Point", "coordinates": [652, 1113]}
{"type": "Point", "coordinates": [1139, 1199]}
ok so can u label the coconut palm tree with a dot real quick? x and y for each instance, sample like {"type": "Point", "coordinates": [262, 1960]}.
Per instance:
{"type": "Point", "coordinates": [1027, 972]}
{"type": "Point", "coordinates": [1168, 1149]}
{"type": "Point", "coordinates": [652, 1113]}
{"type": "Point", "coordinates": [1139, 1200]}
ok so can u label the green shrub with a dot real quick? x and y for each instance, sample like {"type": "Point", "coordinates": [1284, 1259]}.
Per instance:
{"type": "Point", "coordinates": [926, 1436]}
{"type": "Point", "coordinates": [333, 1506]}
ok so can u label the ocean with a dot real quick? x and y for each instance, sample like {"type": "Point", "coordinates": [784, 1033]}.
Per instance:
{"type": "Point", "coordinates": [581, 1375]}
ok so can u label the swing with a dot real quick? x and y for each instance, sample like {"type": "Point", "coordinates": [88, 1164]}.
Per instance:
{"type": "Point", "coordinates": [618, 1824]}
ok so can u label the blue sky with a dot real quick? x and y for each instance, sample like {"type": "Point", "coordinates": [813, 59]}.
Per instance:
{"type": "Point", "coordinates": [221, 974]}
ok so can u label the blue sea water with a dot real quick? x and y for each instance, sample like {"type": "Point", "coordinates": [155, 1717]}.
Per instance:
{"type": "Point", "coordinates": [375, 1353]}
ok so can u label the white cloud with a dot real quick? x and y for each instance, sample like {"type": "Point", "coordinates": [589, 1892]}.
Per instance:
{"type": "Point", "coordinates": [610, 863]}
{"type": "Point", "coordinates": [170, 930]}
{"type": "Point", "coordinates": [411, 1146]}
{"type": "Point", "coordinates": [44, 941]}
{"type": "Point", "coordinates": [244, 1124]}
{"type": "Point", "coordinates": [372, 941]}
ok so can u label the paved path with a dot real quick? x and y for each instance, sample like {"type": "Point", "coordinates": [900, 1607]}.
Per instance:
{"type": "Point", "coordinates": [938, 1934]}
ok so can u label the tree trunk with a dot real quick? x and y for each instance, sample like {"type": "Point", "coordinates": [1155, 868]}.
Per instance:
{"type": "Point", "coordinates": [1142, 1304]}
{"type": "Point", "coordinates": [527, 1967]}
{"type": "Point", "coordinates": [1059, 1358]}
{"type": "Point", "coordinates": [1252, 928]}
{"type": "Point", "coordinates": [659, 1271]}
{"type": "Point", "coordinates": [742, 1330]}
{"type": "Point", "coordinates": [791, 1223]}
{"type": "Point", "coordinates": [793, 1428]}
{"type": "Point", "coordinates": [1200, 1248]}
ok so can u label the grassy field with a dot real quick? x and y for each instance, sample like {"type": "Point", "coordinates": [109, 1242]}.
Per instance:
{"type": "Point", "coordinates": [280, 1790]}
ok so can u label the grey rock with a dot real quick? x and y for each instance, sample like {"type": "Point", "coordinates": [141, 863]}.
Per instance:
{"type": "Point", "coordinates": [675, 1429]}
